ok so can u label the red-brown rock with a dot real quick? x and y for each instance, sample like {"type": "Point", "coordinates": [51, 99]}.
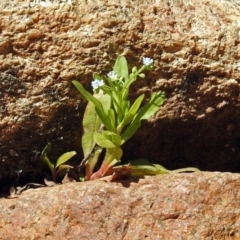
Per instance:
{"type": "Point", "coordinates": [203, 205]}
{"type": "Point", "coordinates": [195, 45]}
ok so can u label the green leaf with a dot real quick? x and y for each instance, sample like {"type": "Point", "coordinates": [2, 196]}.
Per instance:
{"type": "Point", "coordinates": [121, 67]}
{"type": "Point", "coordinates": [49, 163]}
{"type": "Point", "coordinates": [87, 95]}
{"type": "Point", "coordinates": [92, 123]}
{"type": "Point", "coordinates": [87, 143]}
{"type": "Point", "coordinates": [46, 150]}
{"type": "Point", "coordinates": [45, 158]}
{"type": "Point", "coordinates": [98, 105]}
{"type": "Point", "coordinates": [131, 129]}
{"type": "Point", "coordinates": [126, 106]}
{"type": "Point", "coordinates": [113, 156]}
{"type": "Point", "coordinates": [187, 169]}
{"type": "Point", "coordinates": [124, 110]}
{"type": "Point", "coordinates": [145, 112]}
{"type": "Point", "coordinates": [105, 120]}
{"type": "Point", "coordinates": [143, 170]}
{"type": "Point", "coordinates": [142, 167]}
{"type": "Point", "coordinates": [134, 108]}
{"type": "Point", "coordinates": [116, 98]}
{"type": "Point", "coordinates": [111, 116]}
{"type": "Point", "coordinates": [161, 169]}
{"type": "Point", "coordinates": [113, 137]}
{"type": "Point", "coordinates": [64, 158]}
{"type": "Point", "coordinates": [126, 85]}
{"type": "Point", "coordinates": [156, 101]}
{"type": "Point", "coordinates": [131, 113]}
{"type": "Point", "coordinates": [151, 107]}
{"type": "Point", "coordinates": [102, 141]}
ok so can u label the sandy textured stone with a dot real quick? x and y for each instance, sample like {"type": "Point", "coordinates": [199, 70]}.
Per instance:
{"type": "Point", "coordinates": [195, 45]}
{"type": "Point", "coordinates": [195, 206]}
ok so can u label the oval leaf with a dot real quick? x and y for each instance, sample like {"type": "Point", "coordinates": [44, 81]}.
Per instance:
{"type": "Point", "coordinates": [145, 112]}
{"type": "Point", "coordinates": [113, 137]}
{"type": "Point", "coordinates": [134, 108]}
{"type": "Point", "coordinates": [121, 67]}
{"type": "Point", "coordinates": [91, 121]}
{"type": "Point", "coordinates": [153, 105]}
{"type": "Point", "coordinates": [64, 158]}
{"type": "Point", "coordinates": [103, 141]}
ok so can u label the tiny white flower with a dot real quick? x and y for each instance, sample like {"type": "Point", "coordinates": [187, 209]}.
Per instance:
{"type": "Point", "coordinates": [97, 83]}
{"type": "Point", "coordinates": [147, 61]}
{"type": "Point", "coordinates": [112, 75]}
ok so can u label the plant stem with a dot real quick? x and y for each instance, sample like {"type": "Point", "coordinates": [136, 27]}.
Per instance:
{"type": "Point", "coordinates": [113, 155]}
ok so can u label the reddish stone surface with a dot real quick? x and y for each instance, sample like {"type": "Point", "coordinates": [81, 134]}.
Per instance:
{"type": "Point", "coordinates": [203, 205]}
{"type": "Point", "coordinates": [195, 45]}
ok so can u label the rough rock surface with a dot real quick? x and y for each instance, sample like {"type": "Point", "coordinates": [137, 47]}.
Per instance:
{"type": "Point", "coordinates": [195, 45]}
{"type": "Point", "coordinates": [199, 206]}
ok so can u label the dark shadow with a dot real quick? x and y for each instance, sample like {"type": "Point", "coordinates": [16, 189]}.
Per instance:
{"type": "Point", "coordinates": [210, 144]}
{"type": "Point", "coordinates": [126, 182]}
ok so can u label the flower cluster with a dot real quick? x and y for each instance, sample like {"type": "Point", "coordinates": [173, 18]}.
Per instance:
{"type": "Point", "coordinates": [97, 84]}
{"type": "Point", "coordinates": [112, 75]}
{"type": "Point", "coordinates": [147, 61]}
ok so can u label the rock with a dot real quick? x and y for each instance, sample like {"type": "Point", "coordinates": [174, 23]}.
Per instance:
{"type": "Point", "coordinates": [195, 46]}
{"type": "Point", "coordinates": [203, 205]}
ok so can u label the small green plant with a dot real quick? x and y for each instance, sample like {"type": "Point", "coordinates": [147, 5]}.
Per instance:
{"type": "Point", "coordinates": [110, 119]}
{"type": "Point", "coordinates": [59, 167]}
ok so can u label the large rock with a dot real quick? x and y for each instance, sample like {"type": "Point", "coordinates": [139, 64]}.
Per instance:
{"type": "Point", "coordinates": [175, 206]}
{"type": "Point", "coordinates": [195, 45]}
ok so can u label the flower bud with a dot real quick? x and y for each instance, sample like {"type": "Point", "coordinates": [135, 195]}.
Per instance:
{"type": "Point", "coordinates": [134, 69]}
{"type": "Point", "coordinates": [141, 75]}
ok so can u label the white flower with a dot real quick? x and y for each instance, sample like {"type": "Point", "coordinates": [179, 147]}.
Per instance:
{"type": "Point", "coordinates": [112, 75]}
{"type": "Point", "coordinates": [97, 83]}
{"type": "Point", "coordinates": [147, 61]}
